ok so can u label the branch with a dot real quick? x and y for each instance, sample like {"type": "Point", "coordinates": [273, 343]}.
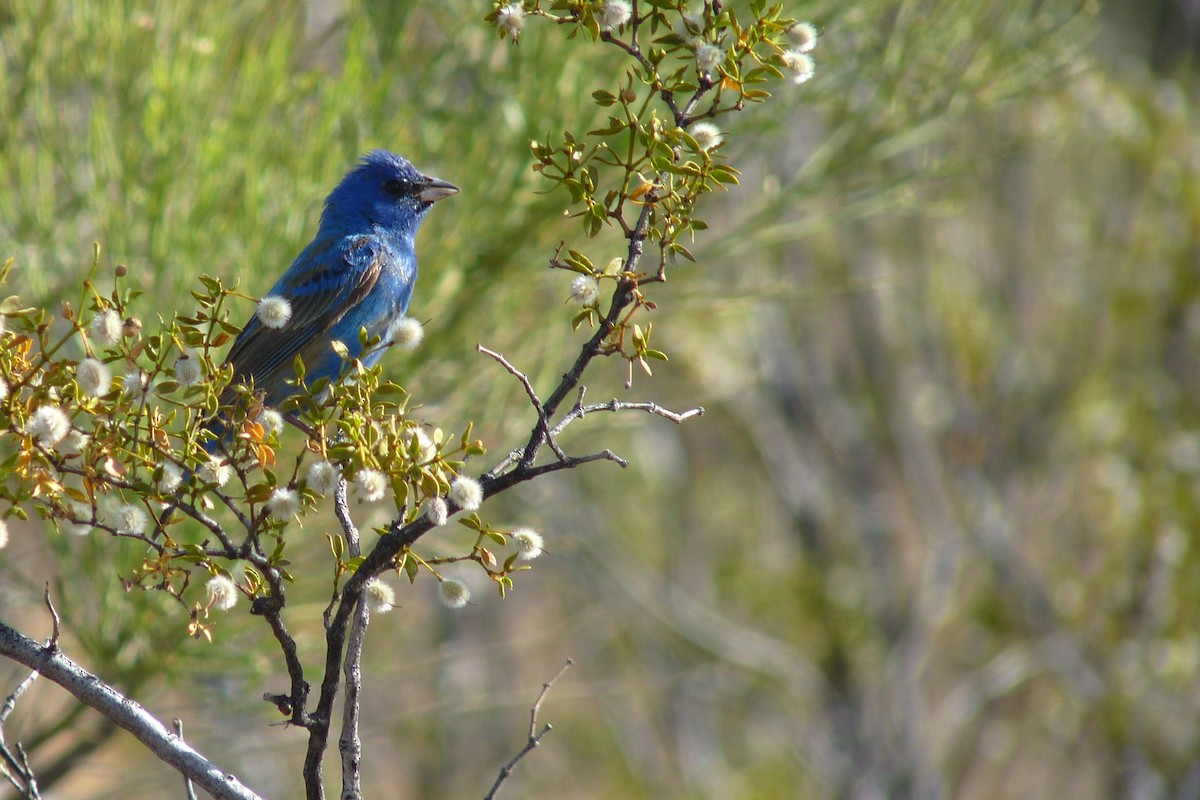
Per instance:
{"type": "Point", "coordinates": [11, 702]}
{"type": "Point", "coordinates": [543, 421]}
{"type": "Point", "coordinates": [579, 411]}
{"type": "Point", "coordinates": [350, 743]}
{"type": "Point", "coordinates": [54, 618]}
{"type": "Point", "coordinates": [535, 737]}
{"type": "Point", "coordinates": [87, 740]}
{"type": "Point", "coordinates": [91, 691]}
{"type": "Point", "coordinates": [615, 405]}
{"type": "Point", "coordinates": [15, 765]}
{"type": "Point", "coordinates": [271, 609]}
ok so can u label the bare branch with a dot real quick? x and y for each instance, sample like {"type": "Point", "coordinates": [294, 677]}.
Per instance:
{"type": "Point", "coordinates": [91, 691]}
{"type": "Point", "coordinates": [53, 642]}
{"type": "Point", "coordinates": [579, 411]}
{"type": "Point", "coordinates": [614, 405]}
{"type": "Point", "coordinates": [543, 422]}
{"type": "Point", "coordinates": [341, 507]}
{"type": "Point", "coordinates": [535, 736]}
{"type": "Point", "coordinates": [10, 702]}
{"type": "Point", "coordinates": [575, 461]}
{"type": "Point", "coordinates": [350, 742]}
{"type": "Point", "coordinates": [15, 765]}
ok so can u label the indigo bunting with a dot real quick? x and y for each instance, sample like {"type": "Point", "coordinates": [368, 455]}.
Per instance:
{"type": "Point", "coordinates": [357, 272]}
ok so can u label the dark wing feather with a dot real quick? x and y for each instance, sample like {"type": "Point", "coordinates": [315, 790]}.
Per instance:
{"type": "Point", "coordinates": [321, 287]}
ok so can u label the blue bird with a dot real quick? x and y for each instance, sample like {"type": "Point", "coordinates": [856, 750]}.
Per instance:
{"type": "Point", "coordinates": [358, 272]}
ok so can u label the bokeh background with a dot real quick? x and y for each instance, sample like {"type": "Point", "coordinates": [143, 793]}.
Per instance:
{"type": "Point", "coordinates": [936, 533]}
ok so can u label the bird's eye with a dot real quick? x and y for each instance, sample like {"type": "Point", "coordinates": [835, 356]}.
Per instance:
{"type": "Point", "coordinates": [394, 187]}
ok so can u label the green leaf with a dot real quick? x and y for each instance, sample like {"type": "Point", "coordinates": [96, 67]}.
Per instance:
{"type": "Point", "coordinates": [592, 224]}
{"type": "Point", "coordinates": [259, 493]}
{"type": "Point", "coordinates": [579, 262]}
{"type": "Point", "coordinates": [614, 126]}
{"type": "Point", "coordinates": [577, 320]}
{"type": "Point", "coordinates": [336, 545]}
{"type": "Point", "coordinates": [676, 247]}
{"type": "Point", "coordinates": [723, 173]}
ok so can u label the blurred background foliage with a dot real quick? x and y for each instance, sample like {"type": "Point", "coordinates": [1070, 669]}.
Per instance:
{"type": "Point", "coordinates": [936, 535]}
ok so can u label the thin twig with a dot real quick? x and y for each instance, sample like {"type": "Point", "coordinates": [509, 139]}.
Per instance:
{"type": "Point", "coordinates": [535, 736]}
{"type": "Point", "coordinates": [614, 405]}
{"type": "Point", "coordinates": [15, 766]}
{"type": "Point", "coordinates": [52, 644]}
{"type": "Point", "coordinates": [543, 422]}
{"type": "Point", "coordinates": [188, 788]}
{"type": "Point", "coordinates": [578, 412]}
{"type": "Point", "coordinates": [10, 703]}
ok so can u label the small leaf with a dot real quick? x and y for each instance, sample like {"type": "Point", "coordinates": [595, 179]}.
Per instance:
{"type": "Point", "coordinates": [577, 320]}
{"type": "Point", "coordinates": [336, 545]}
{"type": "Point", "coordinates": [580, 262]}
{"type": "Point", "coordinates": [676, 247]}
{"type": "Point", "coordinates": [614, 126]}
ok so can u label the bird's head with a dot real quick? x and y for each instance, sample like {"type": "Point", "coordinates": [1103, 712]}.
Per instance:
{"type": "Point", "coordinates": [384, 191]}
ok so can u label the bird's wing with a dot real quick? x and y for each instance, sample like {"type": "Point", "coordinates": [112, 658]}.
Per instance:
{"type": "Point", "coordinates": [326, 281]}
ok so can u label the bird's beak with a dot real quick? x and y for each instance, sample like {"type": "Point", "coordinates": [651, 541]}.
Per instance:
{"type": "Point", "coordinates": [435, 190]}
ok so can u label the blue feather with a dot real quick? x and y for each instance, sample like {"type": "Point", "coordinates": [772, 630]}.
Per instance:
{"type": "Point", "coordinates": [358, 272]}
